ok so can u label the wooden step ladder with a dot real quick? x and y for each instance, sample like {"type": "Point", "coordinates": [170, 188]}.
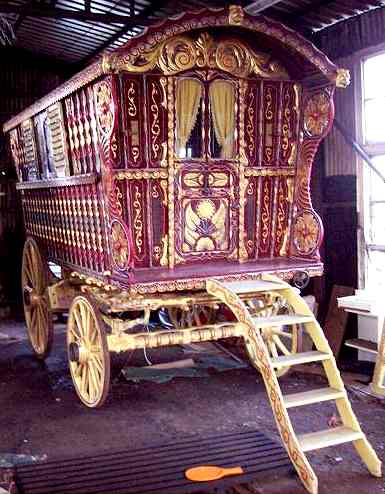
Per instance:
{"type": "Point", "coordinates": [296, 445]}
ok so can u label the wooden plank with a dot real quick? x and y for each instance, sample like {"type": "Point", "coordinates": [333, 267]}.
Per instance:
{"type": "Point", "coordinates": [328, 437]}
{"type": "Point", "coordinates": [336, 319]}
{"type": "Point", "coordinates": [364, 345]}
{"type": "Point", "coordinates": [299, 358]}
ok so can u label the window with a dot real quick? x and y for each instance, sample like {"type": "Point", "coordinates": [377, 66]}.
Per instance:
{"type": "Point", "coordinates": [374, 188]}
{"type": "Point", "coordinates": [192, 97]}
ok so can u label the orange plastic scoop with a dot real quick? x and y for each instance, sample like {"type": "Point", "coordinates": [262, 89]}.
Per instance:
{"type": "Point", "coordinates": [206, 473]}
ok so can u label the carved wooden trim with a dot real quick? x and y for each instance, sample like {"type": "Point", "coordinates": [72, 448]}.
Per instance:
{"type": "Point", "coordinates": [90, 178]}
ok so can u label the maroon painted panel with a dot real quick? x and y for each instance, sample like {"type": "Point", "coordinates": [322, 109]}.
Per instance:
{"type": "Point", "coordinates": [158, 221]}
{"type": "Point", "coordinates": [266, 213]}
{"type": "Point", "coordinates": [156, 105]}
{"type": "Point", "coordinates": [253, 136]}
{"type": "Point", "coordinates": [270, 113]}
{"type": "Point", "coordinates": [282, 219]}
{"type": "Point", "coordinates": [132, 111]}
{"type": "Point", "coordinates": [251, 216]}
{"type": "Point", "coordinates": [289, 125]}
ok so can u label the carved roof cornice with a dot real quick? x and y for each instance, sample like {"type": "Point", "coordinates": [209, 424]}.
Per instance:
{"type": "Point", "coordinates": [153, 36]}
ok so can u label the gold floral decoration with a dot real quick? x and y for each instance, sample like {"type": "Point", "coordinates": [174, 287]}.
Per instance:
{"type": "Point", "coordinates": [317, 114]}
{"type": "Point", "coordinates": [104, 107]}
{"type": "Point", "coordinates": [306, 233]}
{"type": "Point", "coordinates": [119, 245]}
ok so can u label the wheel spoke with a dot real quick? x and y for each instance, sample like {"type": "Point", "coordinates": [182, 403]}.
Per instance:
{"type": "Point", "coordinates": [283, 334]}
{"type": "Point", "coordinates": [280, 345]}
{"type": "Point", "coordinates": [79, 322]}
{"type": "Point", "coordinates": [95, 380]}
{"type": "Point", "coordinates": [98, 363]}
{"type": "Point", "coordinates": [273, 349]}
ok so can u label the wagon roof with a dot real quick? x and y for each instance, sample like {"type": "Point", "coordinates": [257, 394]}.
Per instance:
{"type": "Point", "coordinates": [280, 35]}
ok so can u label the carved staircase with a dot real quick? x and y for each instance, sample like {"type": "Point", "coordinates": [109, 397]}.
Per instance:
{"type": "Point", "coordinates": [253, 327]}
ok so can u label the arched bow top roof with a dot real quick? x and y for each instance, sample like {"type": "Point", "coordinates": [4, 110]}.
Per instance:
{"type": "Point", "coordinates": [137, 50]}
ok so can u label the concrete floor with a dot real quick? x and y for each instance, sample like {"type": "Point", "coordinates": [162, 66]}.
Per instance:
{"type": "Point", "coordinates": [40, 414]}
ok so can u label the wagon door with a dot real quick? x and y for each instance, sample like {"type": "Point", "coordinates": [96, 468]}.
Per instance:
{"type": "Point", "coordinates": [205, 150]}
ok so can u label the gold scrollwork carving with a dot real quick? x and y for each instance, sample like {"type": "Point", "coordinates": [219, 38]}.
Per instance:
{"type": "Point", "coordinates": [139, 174]}
{"type": "Point", "coordinates": [236, 15]}
{"type": "Point", "coordinates": [155, 126]}
{"type": "Point", "coordinates": [342, 78]}
{"type": "Point", "coordinates": [131, 107]}
{"type": "Point", "coordinates": [138, 222]}
{"type": "Point", "coordinates": [183, 53]}
{"type": "Point", "coordinates": [104, 108]}
{"type": "Point", "coordinates": [269, 172]}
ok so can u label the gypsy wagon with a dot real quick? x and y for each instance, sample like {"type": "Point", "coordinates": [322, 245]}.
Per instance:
{"type": "Point", "coordinates": [174, 174]}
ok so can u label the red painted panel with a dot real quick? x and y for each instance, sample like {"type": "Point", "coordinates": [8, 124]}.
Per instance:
{"type": "Point", "coordinates": [137, 199]}
{"type": "Point", "coordinates": [159, 221]}
{"type": "Point", "coordinates": [156, 105]}
{"type": "Point", "coordinates": [283, 209]}
{"type": "Point", "coordinates": [132, 111]}
{"type": "Point", "coordinates": [289, 125]}
{"type": "Point", "coordinates": [266, 212]}
{"type": "Point", "coordinates": [270, 112]}
{"type": "Point", "coordinates": [252, 133]}
{"type": "Point", "coordinates": [250, 216]}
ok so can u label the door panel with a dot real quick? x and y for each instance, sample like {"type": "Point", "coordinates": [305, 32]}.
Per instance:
{"type": "Point", "coordinates": [206, 211]}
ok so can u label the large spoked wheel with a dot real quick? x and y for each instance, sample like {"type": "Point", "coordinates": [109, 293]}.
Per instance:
{"type": "Point", "coordinates": [34, 282]}
{"type": "Point", "coordinates": [286, 340]}
{"type": "Point", "coordinates": [88, 355]}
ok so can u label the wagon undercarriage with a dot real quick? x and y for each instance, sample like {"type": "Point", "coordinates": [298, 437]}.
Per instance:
{"type": "Point", "coordinates": [267, 314]}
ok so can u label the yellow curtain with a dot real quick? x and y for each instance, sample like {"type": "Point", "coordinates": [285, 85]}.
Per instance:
{"type": "Point", "coordinates": [222, 101]}
{"type": "Point", "coordinates": [188, 96]}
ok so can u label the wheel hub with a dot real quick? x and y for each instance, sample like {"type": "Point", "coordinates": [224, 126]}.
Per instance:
{"type": "Point", "coordinates": [78, 353]}
{"type": "Point", "coordinates": [30, 296]}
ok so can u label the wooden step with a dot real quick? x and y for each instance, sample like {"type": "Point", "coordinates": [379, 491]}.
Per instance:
{"type": "Point", "coordinates": [252, 286]}
{"type": "Point", "coordinates": [364, 345]}
{"type": "Point", "coordinates": [313, 396]}
{"type": "Point", "coordinates": [281, 320]}
{"type": "Point", "coordinates": [328, 437]}
{"type": "Point", "coordinates": [299, 358]}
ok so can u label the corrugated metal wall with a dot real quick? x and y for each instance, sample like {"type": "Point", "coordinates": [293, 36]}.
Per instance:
{"type": "Point", "coordinates": [340, 158]}
{"type": "Point", "coordinates": [22, 81]}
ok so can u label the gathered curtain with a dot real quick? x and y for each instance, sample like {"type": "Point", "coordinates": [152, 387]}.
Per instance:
{"type": "Point", "coordinates": [188, 97]}
{"type": "Point", "coordinates": [222, 102]}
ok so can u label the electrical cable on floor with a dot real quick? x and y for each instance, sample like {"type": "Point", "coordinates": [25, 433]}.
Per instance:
{"type": "Point", "coordinates": [144, 349]}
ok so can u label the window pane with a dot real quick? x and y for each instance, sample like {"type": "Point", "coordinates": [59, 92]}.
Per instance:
{"type": "Point", "coordinates": [374, 120]}
{"type": "Point", "coordinates": [377, 223]}
{"type": "Point", "coordinates": [222, 119]}
{"type": "Point", "coordinates": [377, 187]}
{"type": "Point", "coordinates": [376, 271]}
{"type": "Point", "coordinates": [188, 108]}
{"type": "Point", "coordinates": [374, 76]}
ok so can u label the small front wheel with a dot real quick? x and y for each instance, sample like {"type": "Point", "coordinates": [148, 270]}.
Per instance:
{"type": "Point", "coordinates": [88, 355]}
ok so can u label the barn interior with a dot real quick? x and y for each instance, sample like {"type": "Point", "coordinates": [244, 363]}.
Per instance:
{"type": "Point", "coordinates": [196, 392]}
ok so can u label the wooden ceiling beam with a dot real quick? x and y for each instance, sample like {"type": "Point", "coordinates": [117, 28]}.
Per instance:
{"type": "Point", "coordinates": [149, 11]}
{"type": "Point", "coordinates": [40, 10]}
{"type": "Point", "coordinates": [260, 5]}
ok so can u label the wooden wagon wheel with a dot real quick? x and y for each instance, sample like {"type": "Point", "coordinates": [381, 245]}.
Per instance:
{"type": "Point", "coordinates": [34, 282]}
{"type": "Point", "coordinates": [198, 315]}
{"type": "Point", "coordinates": [286, 340]}
{"type": "Point", "coordinates": [88, 355]}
